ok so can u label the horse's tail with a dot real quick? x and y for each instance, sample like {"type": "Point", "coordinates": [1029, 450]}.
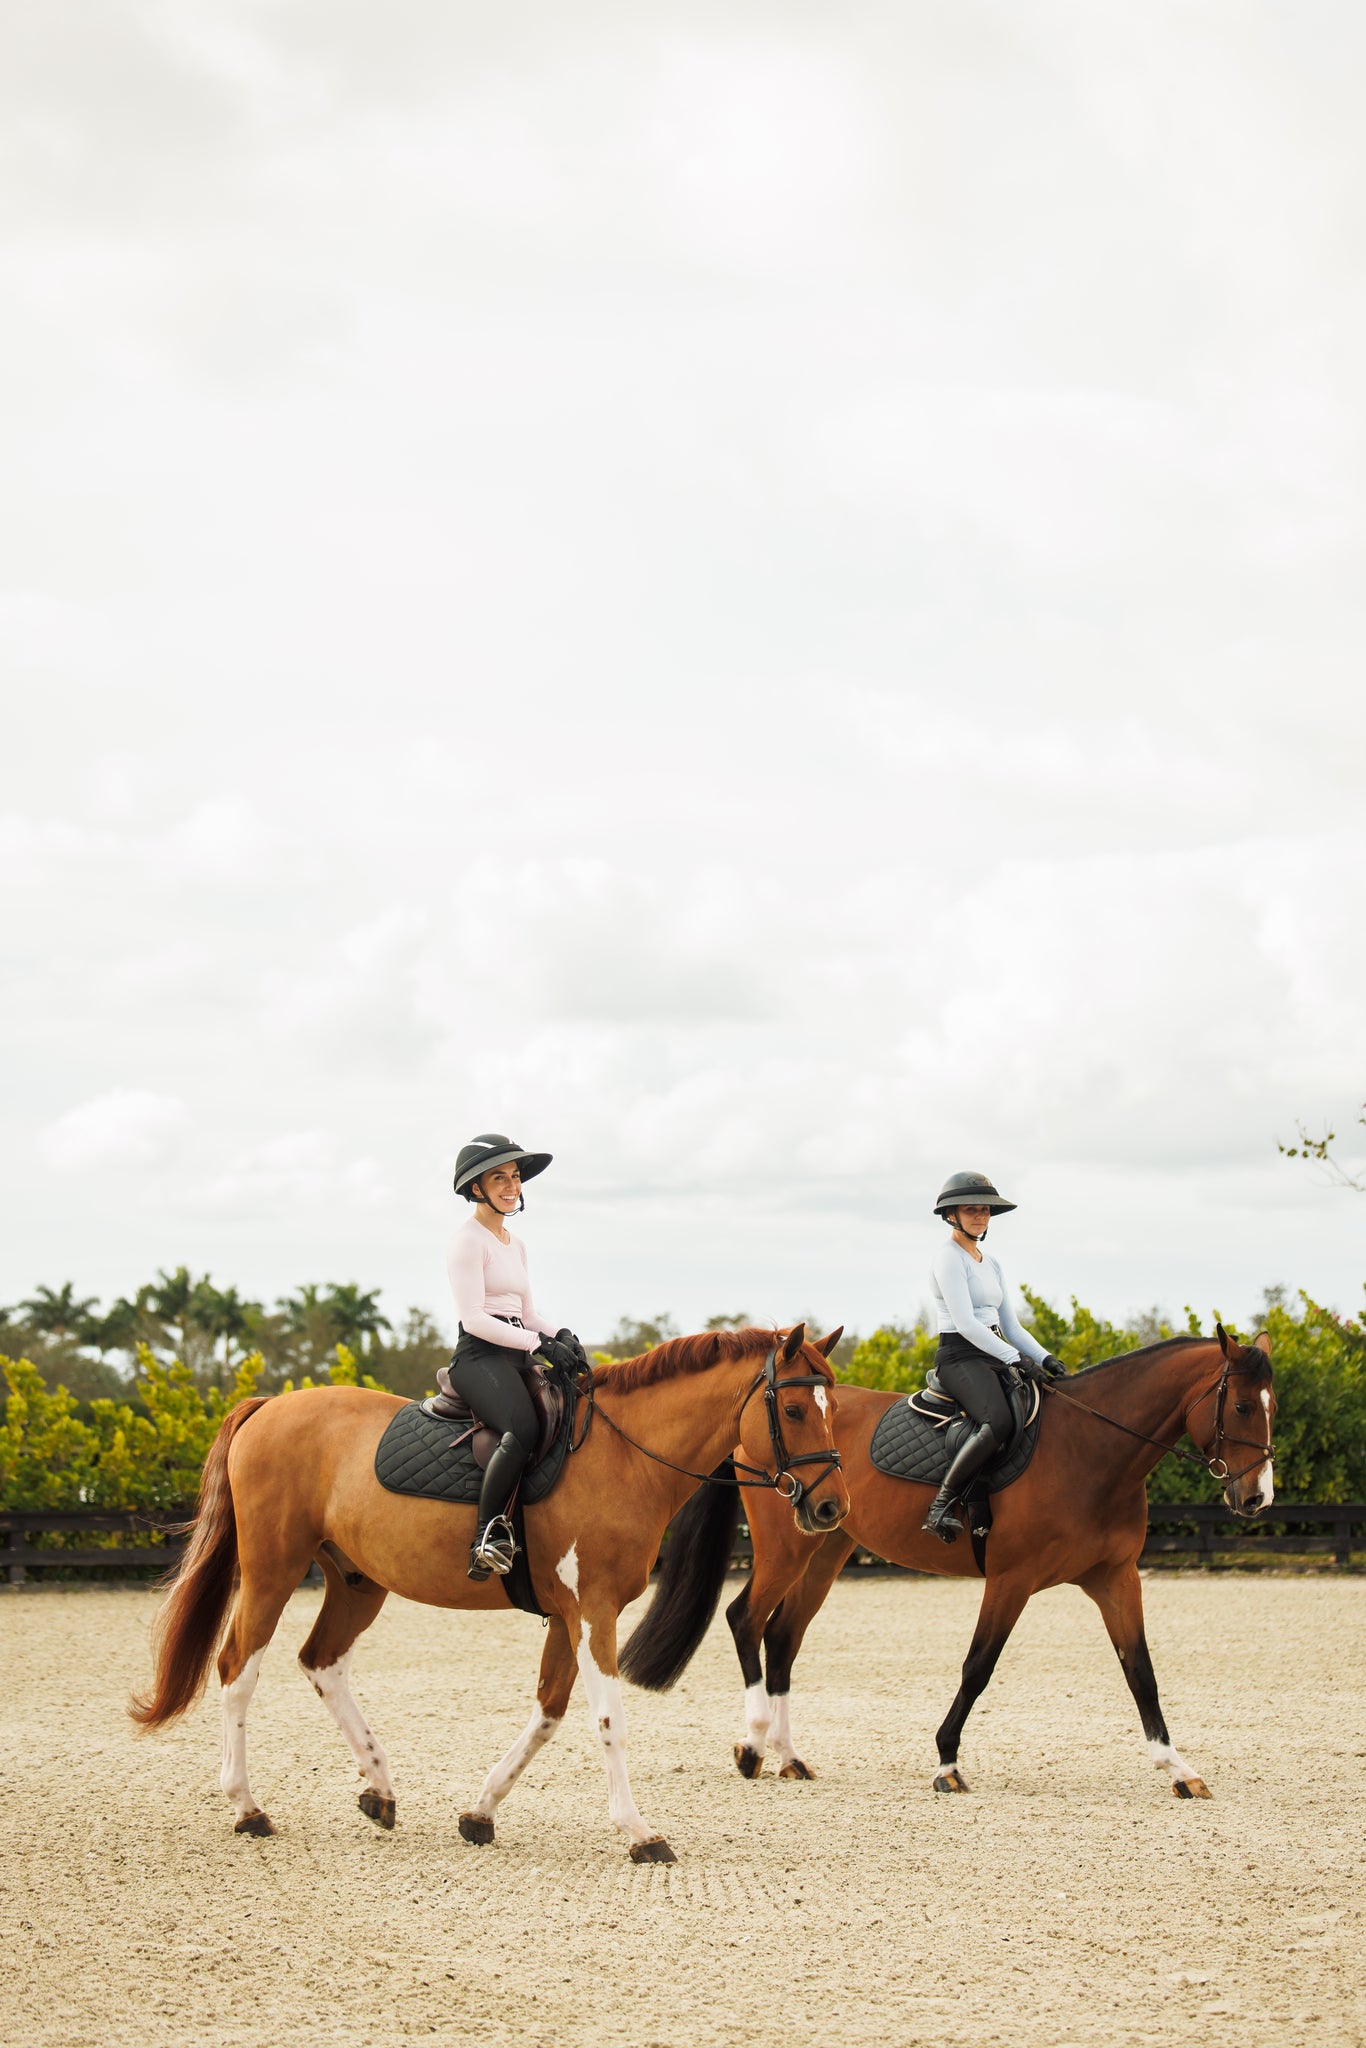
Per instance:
{"type": "Point", "coordinates": [690, 1581]}
{"type": "Point", "coordinates": [189, 1625]}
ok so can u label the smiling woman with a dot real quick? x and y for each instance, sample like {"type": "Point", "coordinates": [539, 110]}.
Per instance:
{"type": "Point", "coordinates": [499, 1324]}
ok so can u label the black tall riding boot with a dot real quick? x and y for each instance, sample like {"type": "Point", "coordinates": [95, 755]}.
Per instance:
{"type": "Point", "coordinates": [494, 1546]}
{"type": "Point", "coordinates": [941, 1521]}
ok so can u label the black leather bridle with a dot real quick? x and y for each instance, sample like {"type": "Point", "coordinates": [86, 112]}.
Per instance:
{"type": "Point", "coordinates": [783, 1479]}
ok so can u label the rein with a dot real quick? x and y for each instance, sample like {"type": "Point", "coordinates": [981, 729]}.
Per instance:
{"type": "Point", "coordinates": [1215, 1463]}
{"type": "Point", "coordinates": [784, 1462]}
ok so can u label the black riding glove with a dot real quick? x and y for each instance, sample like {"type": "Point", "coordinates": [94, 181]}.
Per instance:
{"type": "Point", "coordinates": [1054, 1367]}
{"type": "Point", "coordinates": [571, 1342]}
{"type": "Point", "coordinates": [557, 1356]}
{"type": "Point", "coordinates": [1030, 1369]}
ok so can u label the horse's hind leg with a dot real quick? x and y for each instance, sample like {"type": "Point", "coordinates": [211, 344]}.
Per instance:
{"type": "Point", "coordinates": [1003, 1602]}
{"type": "Point", "coordinates": [347, 1611]}
{"type": "Point", "coordinates": [783, 1638]}
{"type": "Point", "coordinates": [261, 1598]}
{"type": "Point", "coordinates": [1118, 1592]}
{"type": "Point", "coordinates": [552, 1697]}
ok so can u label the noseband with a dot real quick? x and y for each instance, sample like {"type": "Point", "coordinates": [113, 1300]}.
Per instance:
{"type": "Point", "coordinates": [783, 1479]}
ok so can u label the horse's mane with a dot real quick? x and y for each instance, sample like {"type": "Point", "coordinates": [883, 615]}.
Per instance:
{"type": "Point", "coordinates": [678, 1355]}
{"type": "Point", "coordinates": [1140, 1356]}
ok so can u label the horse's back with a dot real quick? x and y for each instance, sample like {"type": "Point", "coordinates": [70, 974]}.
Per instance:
{"type": "Point", "coordinates": [300, 1440]}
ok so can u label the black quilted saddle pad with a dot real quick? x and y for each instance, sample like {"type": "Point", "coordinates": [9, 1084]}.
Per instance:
{"type": "Point", "coordinates": [415, 1455]}
{"type": "Point", "coordinates": [907, 1445]}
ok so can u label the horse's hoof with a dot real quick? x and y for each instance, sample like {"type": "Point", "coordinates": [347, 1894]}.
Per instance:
{"type": "Point", "coordinates": [257, 1823]}
{"type": "Point", "coordinates": [474, 1828]}
{"type": "Point", "coordinates": [951, 1780]}
{"type": "Point", "coordinates": [1191, 1788]}
{"type": "Point", "coordinates": [656, 1850]}
{"type": "Point", "coordinates": [377, 1808]}
{"type": "Point", "coordinates": [796, 1769]}
{"type": "Point", "coordinates": [748, 1762]}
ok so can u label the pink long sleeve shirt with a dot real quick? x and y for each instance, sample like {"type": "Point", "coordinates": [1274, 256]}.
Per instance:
{"type": "Point", "coordinates": [489, 1279]}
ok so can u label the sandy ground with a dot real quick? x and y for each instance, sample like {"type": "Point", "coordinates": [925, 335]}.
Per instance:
{"type": "Point", "coordinates": [1070, 1900]}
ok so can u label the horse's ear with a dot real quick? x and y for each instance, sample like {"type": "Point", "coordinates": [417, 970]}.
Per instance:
{"type": "Point", "coordinates": [793, 1342]}
{"type": "Point", "coordinates": [1262, 1342]}
{"type": "Point", "coordinates": [1226, 1343]}
{"type": "Point", "coordinates": [825, 1345]}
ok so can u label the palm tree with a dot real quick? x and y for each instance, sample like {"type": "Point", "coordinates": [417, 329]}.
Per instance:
{"type": "Point", "coordinates": [59, 1314]}
{"type": "Point", "coordinates": [171, 1299]}
{"type": "Point", "coordinates": [118, 1329]}
{"type": "Point", "coordinates": [309, 1320]}
{"type": "Point", "coordinates": [356, 1315]}
{"type": "Point", "coordinates": [221, 1312]}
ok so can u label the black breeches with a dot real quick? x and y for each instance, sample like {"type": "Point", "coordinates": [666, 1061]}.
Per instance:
{"type": "Point", "coordinates": [975, 1385]}
{"type": "Point", "coordinates": [487, 1376]}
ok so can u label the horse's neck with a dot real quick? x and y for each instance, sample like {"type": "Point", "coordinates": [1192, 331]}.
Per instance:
{"type": "Point", "coordinates": [1153, 1397]}
{"type": "Point", "coordinates": [693, 1419]}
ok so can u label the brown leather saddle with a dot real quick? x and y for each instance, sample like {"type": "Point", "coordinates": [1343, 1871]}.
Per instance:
{"type": "Point", "coordinates": [548, 1397]}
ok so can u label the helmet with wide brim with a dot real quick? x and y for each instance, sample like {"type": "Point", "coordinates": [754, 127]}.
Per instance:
{"type": "Point", "coordinates": [971, 1191]}
{"type": "Point", "coordinates": [493, 1149]}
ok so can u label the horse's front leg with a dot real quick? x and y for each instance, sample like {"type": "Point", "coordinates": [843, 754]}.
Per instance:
{"type": "Point", "coordinates": [1118, 1592]}
{"type": "Point", "coordinates": [552, 1697]}
{"type": "Point", "coordinates": [597, 1660]}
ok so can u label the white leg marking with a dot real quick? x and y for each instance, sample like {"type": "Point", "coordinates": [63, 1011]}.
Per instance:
{"type": "Point", "coordinates": [333, 1687]}
{"type": "Point", "coordinates": [608, 1709]}
{"type": "Point", "coordinates": [509, 1768]}
{"type": "Point", "coordinates": [1165, 1758]}
{"type": "Point", "coordinates": [236, 1699]}
{"type": "Point", "coordinates": [758, 1713]}
{"type": "Point", "coordinates": [567, 1570]}
{"type": "Point", "coordinates": [780, 1729]}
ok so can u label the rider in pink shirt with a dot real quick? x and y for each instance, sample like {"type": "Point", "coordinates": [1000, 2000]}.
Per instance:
{"type": "Point", "coordinates": [500, 1329]}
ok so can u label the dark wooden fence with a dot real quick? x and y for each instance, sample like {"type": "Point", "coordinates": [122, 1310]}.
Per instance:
{"type": "Point", "coordinates": [1206, 1530]}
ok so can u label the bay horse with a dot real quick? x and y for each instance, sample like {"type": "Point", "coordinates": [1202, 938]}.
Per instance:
{"type": "Point", "coordinates": [1076, 1516]}
{"type": "Point", "coordinates": [292, 1478]}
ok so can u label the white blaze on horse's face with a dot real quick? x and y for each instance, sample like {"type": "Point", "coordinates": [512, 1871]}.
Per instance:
{"type": "Point", "coordinates": [823, 1401]}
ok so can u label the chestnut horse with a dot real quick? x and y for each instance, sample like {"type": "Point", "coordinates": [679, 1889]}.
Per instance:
{"type": "Point", "coordinates": [292, 1478]}
{"type": "Point", "coordinates": [1077, 1516]}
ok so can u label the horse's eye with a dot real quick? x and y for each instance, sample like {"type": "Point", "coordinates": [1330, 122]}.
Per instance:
{"type": "Point", "coordinates": [1243, 1407]}
{"type": "Point", "coordinates": [792, 1411]}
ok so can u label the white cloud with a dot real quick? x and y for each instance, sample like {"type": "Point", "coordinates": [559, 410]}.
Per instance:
{"type": "Point", "coordinates": [125, 1127]}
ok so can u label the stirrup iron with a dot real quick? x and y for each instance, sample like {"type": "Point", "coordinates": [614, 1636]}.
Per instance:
{"type": "Point", "coordinates": [495, 1548]}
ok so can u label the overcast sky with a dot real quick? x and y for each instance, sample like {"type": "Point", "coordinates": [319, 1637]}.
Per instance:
{"type": "Point", "coordinates": [768, 598]}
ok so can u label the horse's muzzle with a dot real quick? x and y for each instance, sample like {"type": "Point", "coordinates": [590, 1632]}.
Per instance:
{"type": "Point", "coordinates": [819, 1517]}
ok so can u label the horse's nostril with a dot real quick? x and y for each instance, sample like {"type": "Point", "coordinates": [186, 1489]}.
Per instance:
{"type": "Point", "coordinates": [826, 1511]}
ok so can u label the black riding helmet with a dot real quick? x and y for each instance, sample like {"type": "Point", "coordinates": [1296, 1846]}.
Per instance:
{"type": "Point", "coordinates": [493, 1149]}
{"type": "Point", "coordinates": [970, 1191]}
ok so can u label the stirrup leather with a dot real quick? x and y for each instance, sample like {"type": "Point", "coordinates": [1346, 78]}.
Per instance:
{"type": "Point", "coordinates": [496, 1547]}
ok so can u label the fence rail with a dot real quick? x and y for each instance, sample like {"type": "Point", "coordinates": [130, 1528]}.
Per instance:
{"type": "Point", "coordinates": [1203, 1528]}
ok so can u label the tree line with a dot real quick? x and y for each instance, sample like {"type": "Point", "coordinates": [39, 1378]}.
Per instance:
{"type": "Point", "coordinates": [141, 1444]}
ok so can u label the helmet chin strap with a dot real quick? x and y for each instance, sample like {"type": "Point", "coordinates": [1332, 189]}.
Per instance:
{"type": "Point", "coordinates": [976, 1237]}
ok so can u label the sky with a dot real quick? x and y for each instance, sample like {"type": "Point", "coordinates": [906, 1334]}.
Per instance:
{"type": "Point", "coordinates": [766, 598]}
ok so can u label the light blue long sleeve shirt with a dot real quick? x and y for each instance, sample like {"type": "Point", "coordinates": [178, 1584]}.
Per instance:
{"type": "Point", "coordinates": [970, 1296]}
